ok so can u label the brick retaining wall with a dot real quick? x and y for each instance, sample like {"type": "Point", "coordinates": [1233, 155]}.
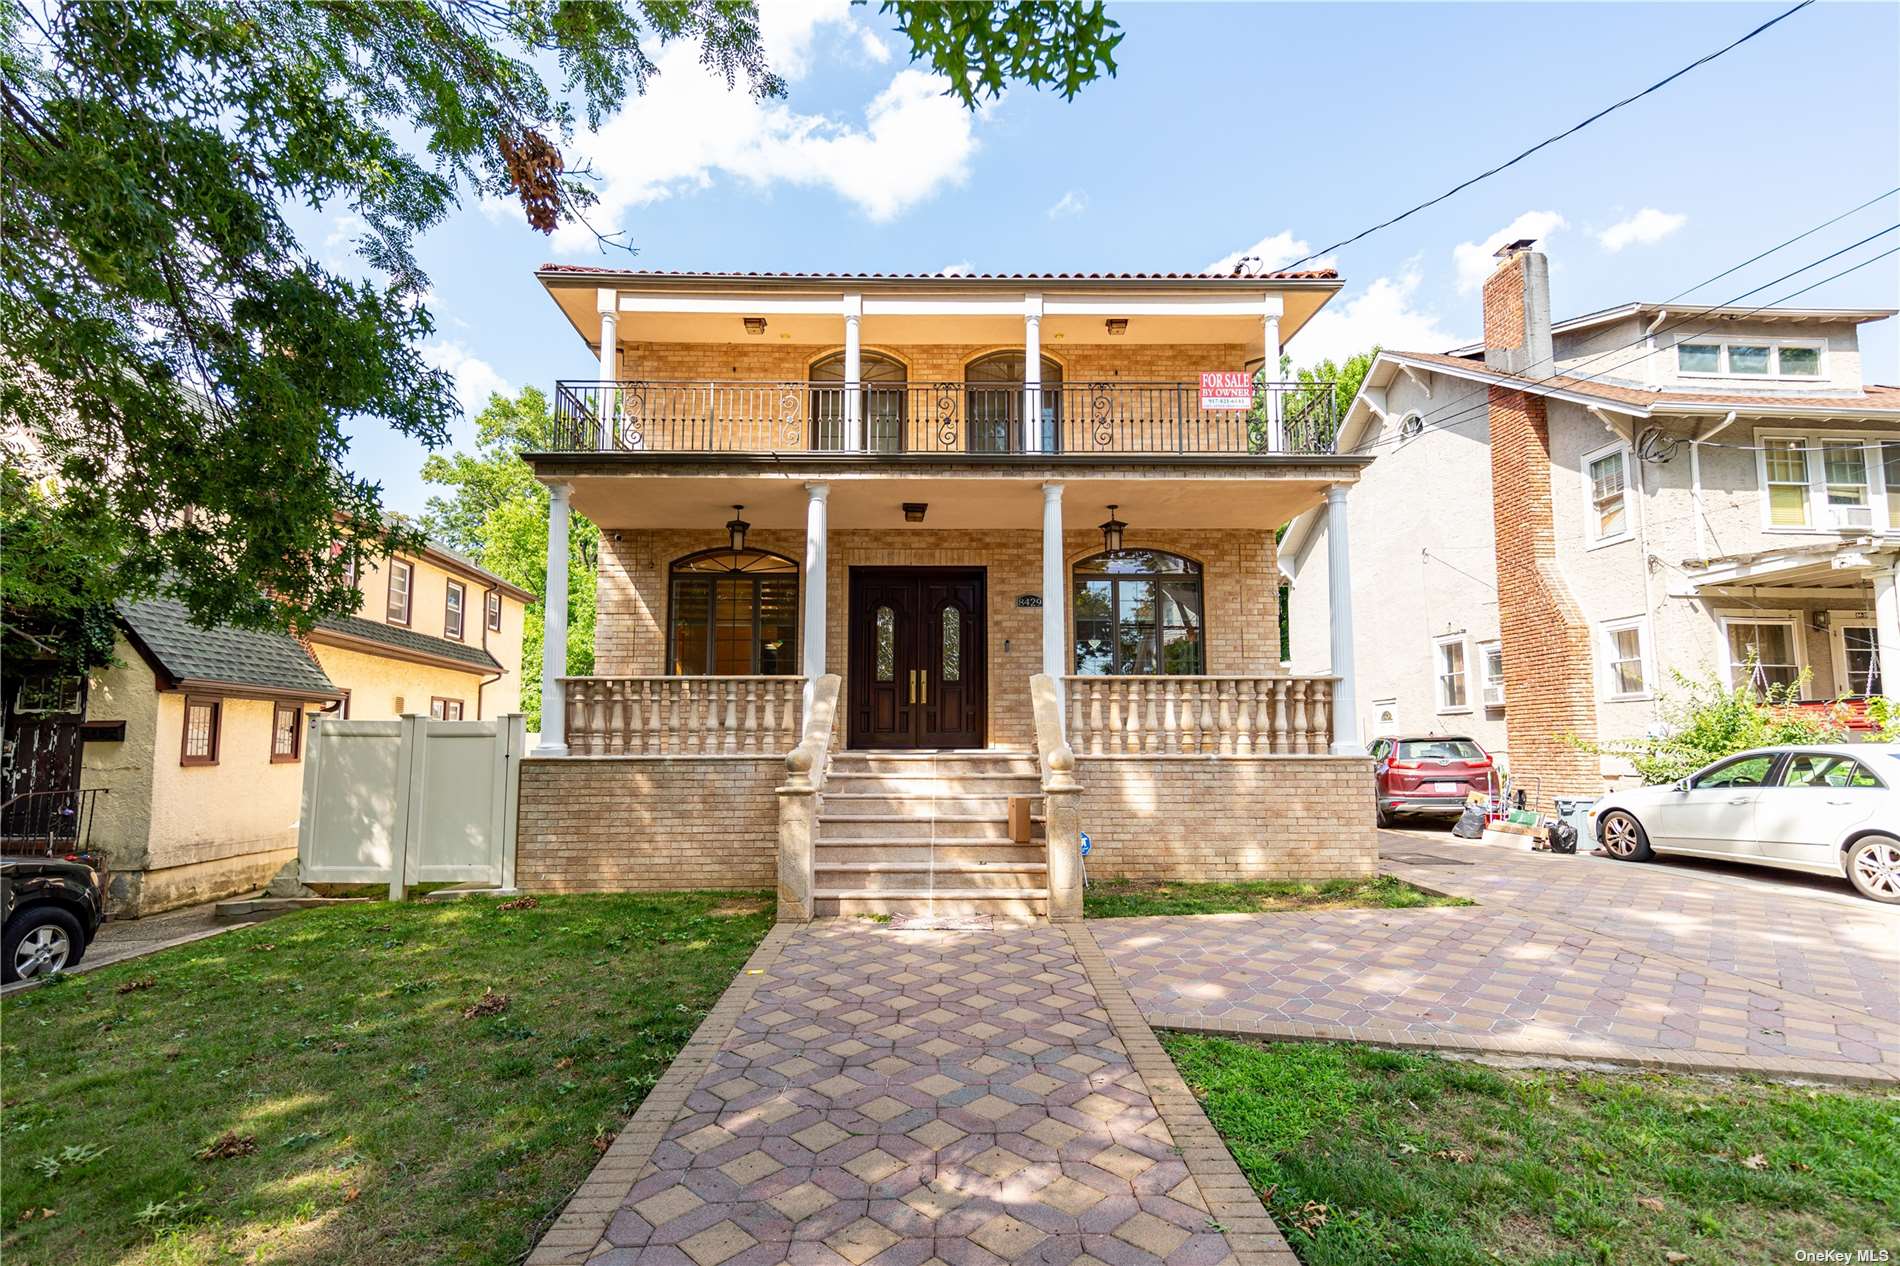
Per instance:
{"type": "Point", "coordinates": [623, 824]}
{"type": "Point", "coordinates": [1222, 818]}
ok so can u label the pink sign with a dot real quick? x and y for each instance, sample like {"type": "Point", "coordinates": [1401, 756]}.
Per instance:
{"type": "Point", "coordinates": [1225, 390]}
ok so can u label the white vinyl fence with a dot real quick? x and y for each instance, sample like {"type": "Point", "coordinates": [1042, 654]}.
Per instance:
{"type": "Point", "coordinates": [412, 801]}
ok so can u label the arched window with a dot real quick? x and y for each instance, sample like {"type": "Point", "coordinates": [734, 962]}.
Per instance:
{"type": "Point", "coordinates": [883, 393]}
{"type": "Point", "coordinates": [993, 391]}
{"type": "Point", "coordinates": [733, 613]}
{"type": "Point", "coordinates": [1138, 612]}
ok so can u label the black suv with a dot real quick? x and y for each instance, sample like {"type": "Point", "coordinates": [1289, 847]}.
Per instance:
{"type": "Point", "coordinates": [49, 909]}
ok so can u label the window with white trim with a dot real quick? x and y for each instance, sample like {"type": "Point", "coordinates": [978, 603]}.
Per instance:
{"type": "Point", "coordinates": [1491, 673]}
{"type": "Point", "coordinates": [1625, 659]}
{"type": "Point", "coordinates": [1785, 473]}
{"type": "Point", "coordinates": [1606, 482]}
{"type": "Point", "coordinates": [1890, 476]}
{"type": "Point", "coordinates": [1452, 693]}
{"type": "Point", "coordinates": [1752, 358]}
{"type": "Point", "coordinates": [1762, 653]}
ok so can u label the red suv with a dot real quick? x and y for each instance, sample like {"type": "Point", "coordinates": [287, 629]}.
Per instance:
{"type": "Point", "coordinates": [1428, 773]}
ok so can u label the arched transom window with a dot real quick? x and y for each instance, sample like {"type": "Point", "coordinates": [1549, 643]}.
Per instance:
{"type": "Point", "coordinates": [1138, 612]}
{"type": "Point", "coordinates": [883, 391]}
{"type": "Point", "coordinates": [734, 613]}
{"type": "Point", "coordinates": [993, 391]}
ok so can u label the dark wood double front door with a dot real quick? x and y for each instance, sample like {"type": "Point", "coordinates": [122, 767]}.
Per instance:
{"type": "Point", "coordinates": [917, 658]}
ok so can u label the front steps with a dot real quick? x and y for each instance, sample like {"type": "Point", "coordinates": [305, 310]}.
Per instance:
{"type": "Point", "coordinates": [927, 833]}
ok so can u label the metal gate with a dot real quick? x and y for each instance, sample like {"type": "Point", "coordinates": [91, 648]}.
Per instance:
{"type": "Point", "coordinates": [411, 801]}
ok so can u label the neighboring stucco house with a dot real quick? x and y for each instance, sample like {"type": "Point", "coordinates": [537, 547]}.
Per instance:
{"type": "Point", "coordinates": [1565, 515]}
{"type": "Point", "coordinates": [895, 483]}
{"type": "Point", "coordinates": [184, 757]}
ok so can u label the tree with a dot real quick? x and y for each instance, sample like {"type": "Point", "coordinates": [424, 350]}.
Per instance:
{"type": "Point", "coordinates": [176, 367]}
{"type": "Point", "coordinates": [498, 513]}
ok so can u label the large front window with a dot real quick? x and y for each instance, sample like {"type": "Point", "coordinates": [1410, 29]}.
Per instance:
{"type": "Point", "coordinates": [1138, 612]}
{"type": "Point", "coordinates": [1762, 653]}
{"type": "Point", "coordinates": [734, 613]}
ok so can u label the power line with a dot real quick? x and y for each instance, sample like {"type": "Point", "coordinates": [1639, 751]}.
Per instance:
{"type": "Point", "coordinates": [1547, 141]}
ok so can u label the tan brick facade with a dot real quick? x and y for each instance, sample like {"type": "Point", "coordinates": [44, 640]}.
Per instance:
{"type": "Point", "coordinates": [606, 824]}
{"type": "Point", "coordinates": [1188, 818]}
{"type": "Point", "coordinates": [1240, 593]}
{"type": "Point", "coordinates": [1543, 631]}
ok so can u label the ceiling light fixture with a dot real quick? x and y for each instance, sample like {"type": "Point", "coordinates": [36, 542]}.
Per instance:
{"type": "Point", "coordinates": [736, 528]}
{"type": "Point", "coordinates": [1112, 532]}
{"type": "Point", "coordinates": [1117, 325]}
{"type": "Point", "coordinates": [914, 511]}
{"type": "Point", "coordinates": [755, 325]}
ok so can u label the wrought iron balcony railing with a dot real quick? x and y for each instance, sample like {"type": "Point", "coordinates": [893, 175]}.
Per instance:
{"type": "Point", "coordinates": [1085, 419]}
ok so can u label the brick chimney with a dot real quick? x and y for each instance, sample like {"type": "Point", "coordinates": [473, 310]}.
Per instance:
{"type": "Point", "coordinates": [1548, 657]}
{"type": "Point", "coordinates": [1517, 312]}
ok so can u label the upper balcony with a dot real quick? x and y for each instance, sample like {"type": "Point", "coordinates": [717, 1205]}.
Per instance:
{"type": "Point", "coordinates": [985, 369]}
{"type": "Point", "coordinates": [982, 419]}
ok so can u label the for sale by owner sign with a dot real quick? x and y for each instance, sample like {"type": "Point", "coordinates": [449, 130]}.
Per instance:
{"type": "Point", "coordinates": [1227, 391]}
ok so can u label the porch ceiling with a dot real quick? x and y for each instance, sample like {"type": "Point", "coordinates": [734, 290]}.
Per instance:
{"type": "Point", "coordinates": [776, 498]}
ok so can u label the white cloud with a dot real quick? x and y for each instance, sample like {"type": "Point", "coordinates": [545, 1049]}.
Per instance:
{"type": "Point", "coordinates": [788, 29]}
{"type": "Point", "coordinates": [1380, 314]}
{"type": "Point", "coordinates": [1474, 259]}
{"type": "Point", "coordinates": [690, 129]}
{"type": "Point", "coordinates": [475, 378]}
{"type": "Point", "coordinates": [959, 269]}
{"type": "Point", "coordinates": [1645, 228]}
{"type": "Point", "coordinates": [1072, 202]}
{"type": "Point", "coordinates": [1270, 254]}
{"type": "Point", "coordinates": [873, 47]}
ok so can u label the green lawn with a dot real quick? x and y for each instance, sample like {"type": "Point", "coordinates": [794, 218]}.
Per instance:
{"type": "Point", "coordinates": [378, 1110]}
{"type": "Point", "coordinates": [1122, 898]}
{"type": "Point", "coordinates": [1372, 1156]}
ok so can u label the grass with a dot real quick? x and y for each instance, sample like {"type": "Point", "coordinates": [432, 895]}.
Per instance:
{"type": "Point", "coordinates": [1372, 1156]}
{"type": "Point", "coordinates": [1124, 898]}
{"type": "Point", "coordinates": [349, 1105]}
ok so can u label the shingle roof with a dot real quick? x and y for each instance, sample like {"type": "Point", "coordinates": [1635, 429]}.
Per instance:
{"type": "Point", "coordinates": [222, 655]}
{"type": "Point", "coordinates": [1873, 399]}
{"type": "Point", "coordinates": [1311, 274]}
{"type": "Point", "coordinates": [394, 635]}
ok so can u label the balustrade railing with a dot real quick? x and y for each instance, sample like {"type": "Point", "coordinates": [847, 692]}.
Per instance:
{"type": "Point", "coordinates": [682, 716]}
{"type": "Point", "coordinates": [1174, 715]}
{"type": "Point", "coordinates": [1092, 418]}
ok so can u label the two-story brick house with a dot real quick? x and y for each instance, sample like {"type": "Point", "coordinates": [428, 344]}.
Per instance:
{"type": "Point", "coordinates": [1565, 515]}
{"type": "Point", "coordinates": [927, 490]}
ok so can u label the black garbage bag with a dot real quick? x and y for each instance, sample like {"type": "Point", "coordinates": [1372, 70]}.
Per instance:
{"type": "Point", "coordinates": [1563, 837]}
{"type": "Point", "coordinates": [1470, 824]}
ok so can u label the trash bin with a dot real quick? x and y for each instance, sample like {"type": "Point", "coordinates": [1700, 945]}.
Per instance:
{"type": "Point", "coordinates": [1575, 810]}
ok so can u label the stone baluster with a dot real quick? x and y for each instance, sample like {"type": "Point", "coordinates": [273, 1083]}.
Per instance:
{"type": "Point", "coordinates": [1171, 719]}
{"type": "Point", "coordinates": [1209, 739]}
{"type": "Point", "coordinates": [769, 736]}
{"type": "Point", "coordinates": [1095, 718]}
{"type": "Point", "coordinates": [617, 717]}
{"type": "Point", "coordinates": [1226, 718]}
{"type": "Point", "coordinates": [688, 738]}
{"type": "Point", "coordinates": [1190, 715]}
{"type": "Point", "coordinates": [1133, 734]}
{"type": "Point", "coordinates": [1078, 728]}
{"type": "Point", "coordinates": [1115, 686]}
{"type": "Point", "coordinates": [1322, 722]}
{"type": "Point", "coordinates": [1151, 740]}
{"type": "Point", "coordinates": [732, 717]}
{"type": "Point", "coordinates": [1300, 732]}
{"type": "Point", "coordinates": [1243, 720]}
{"type": "Point", "coordinates": [636, 700]}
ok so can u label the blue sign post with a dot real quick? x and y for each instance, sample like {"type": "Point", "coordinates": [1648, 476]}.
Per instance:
{"type": "Point", "coordinates": [1085, 857]}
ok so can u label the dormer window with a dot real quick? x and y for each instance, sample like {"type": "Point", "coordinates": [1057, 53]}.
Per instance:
{"type": "Point", "coordinates": [1750, 360]}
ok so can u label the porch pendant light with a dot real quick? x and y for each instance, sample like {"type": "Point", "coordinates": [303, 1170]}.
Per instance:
{"type": "Point", "coordinates": [736, 528]}
{"type": "Point", "coordinates": [1112, 533]}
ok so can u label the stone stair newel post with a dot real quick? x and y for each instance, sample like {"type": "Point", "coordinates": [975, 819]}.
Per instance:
{"type": "Point", "coordinates": [798, 804]}
{"type": "Point", "coordinates": [1060, 799]}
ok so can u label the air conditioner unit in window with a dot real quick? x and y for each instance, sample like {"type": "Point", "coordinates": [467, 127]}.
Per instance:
{"type": "Point", "coordinates": [1853, 516]}
{"type": "Point", "coordinates": [1494, 694]}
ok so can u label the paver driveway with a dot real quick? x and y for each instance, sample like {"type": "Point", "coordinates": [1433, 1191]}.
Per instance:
{"type": "Point", "coordinates": [866, 1095]}
{"type": "Point", "coordinates": [1563, 955]}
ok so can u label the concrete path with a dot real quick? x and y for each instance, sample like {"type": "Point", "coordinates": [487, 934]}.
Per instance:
{"type": "Point", "coordinates": [1572, 956]}
{"type": "Point", "coordinates": [120, 939]}
{"type": "Point", "coordinates": [870, 1095]}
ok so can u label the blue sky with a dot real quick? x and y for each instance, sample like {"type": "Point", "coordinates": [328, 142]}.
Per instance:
{"type": "Point", "coordinates": [1229, 126]}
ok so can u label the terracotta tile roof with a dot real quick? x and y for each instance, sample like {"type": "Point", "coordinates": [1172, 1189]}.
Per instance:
{"type": "Point", "coordinates": [1311, 274]}
{"type": "Point", "coordinates": [1873, 399]}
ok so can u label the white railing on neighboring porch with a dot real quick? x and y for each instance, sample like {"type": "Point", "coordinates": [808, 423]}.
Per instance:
{"type": "Point", "coordinates": [1227, 716]}
{"type": "Point", "coordinates": [682, 716]}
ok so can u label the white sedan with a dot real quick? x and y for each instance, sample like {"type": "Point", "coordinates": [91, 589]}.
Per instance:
{"type": "Point", "coordinates": [1824, 810]}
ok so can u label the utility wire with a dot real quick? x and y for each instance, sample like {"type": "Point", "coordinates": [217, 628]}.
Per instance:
{"type": "Point", "coordinates": [1547, 141]}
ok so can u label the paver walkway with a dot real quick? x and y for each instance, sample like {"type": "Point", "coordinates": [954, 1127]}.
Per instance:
{"type": "Point", "coordinates": [869, 1095]}
{"type": "Point", "coordinates": [1563, 955]}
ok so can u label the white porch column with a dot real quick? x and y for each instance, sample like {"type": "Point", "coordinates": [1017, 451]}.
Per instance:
{"type": "Point", "coordinates": [1887, 628]}
{"type": "Point", "coordinates": [812, 653]}
{"type": "Point", "coordinates": [1032, 376]}
{"type": "Point", "coordinates": [1055, 592]}
{"type": "Point", "coordinates": [554, 628]}
{"type": "Point", "coordinates": [607, 302]}
{"type": "Point", "coordinates": [853, 369]}
{"type": "Point", "coordinates": [1270, 373]}
{"type": "Point", "coordinates": [1346, 740]}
